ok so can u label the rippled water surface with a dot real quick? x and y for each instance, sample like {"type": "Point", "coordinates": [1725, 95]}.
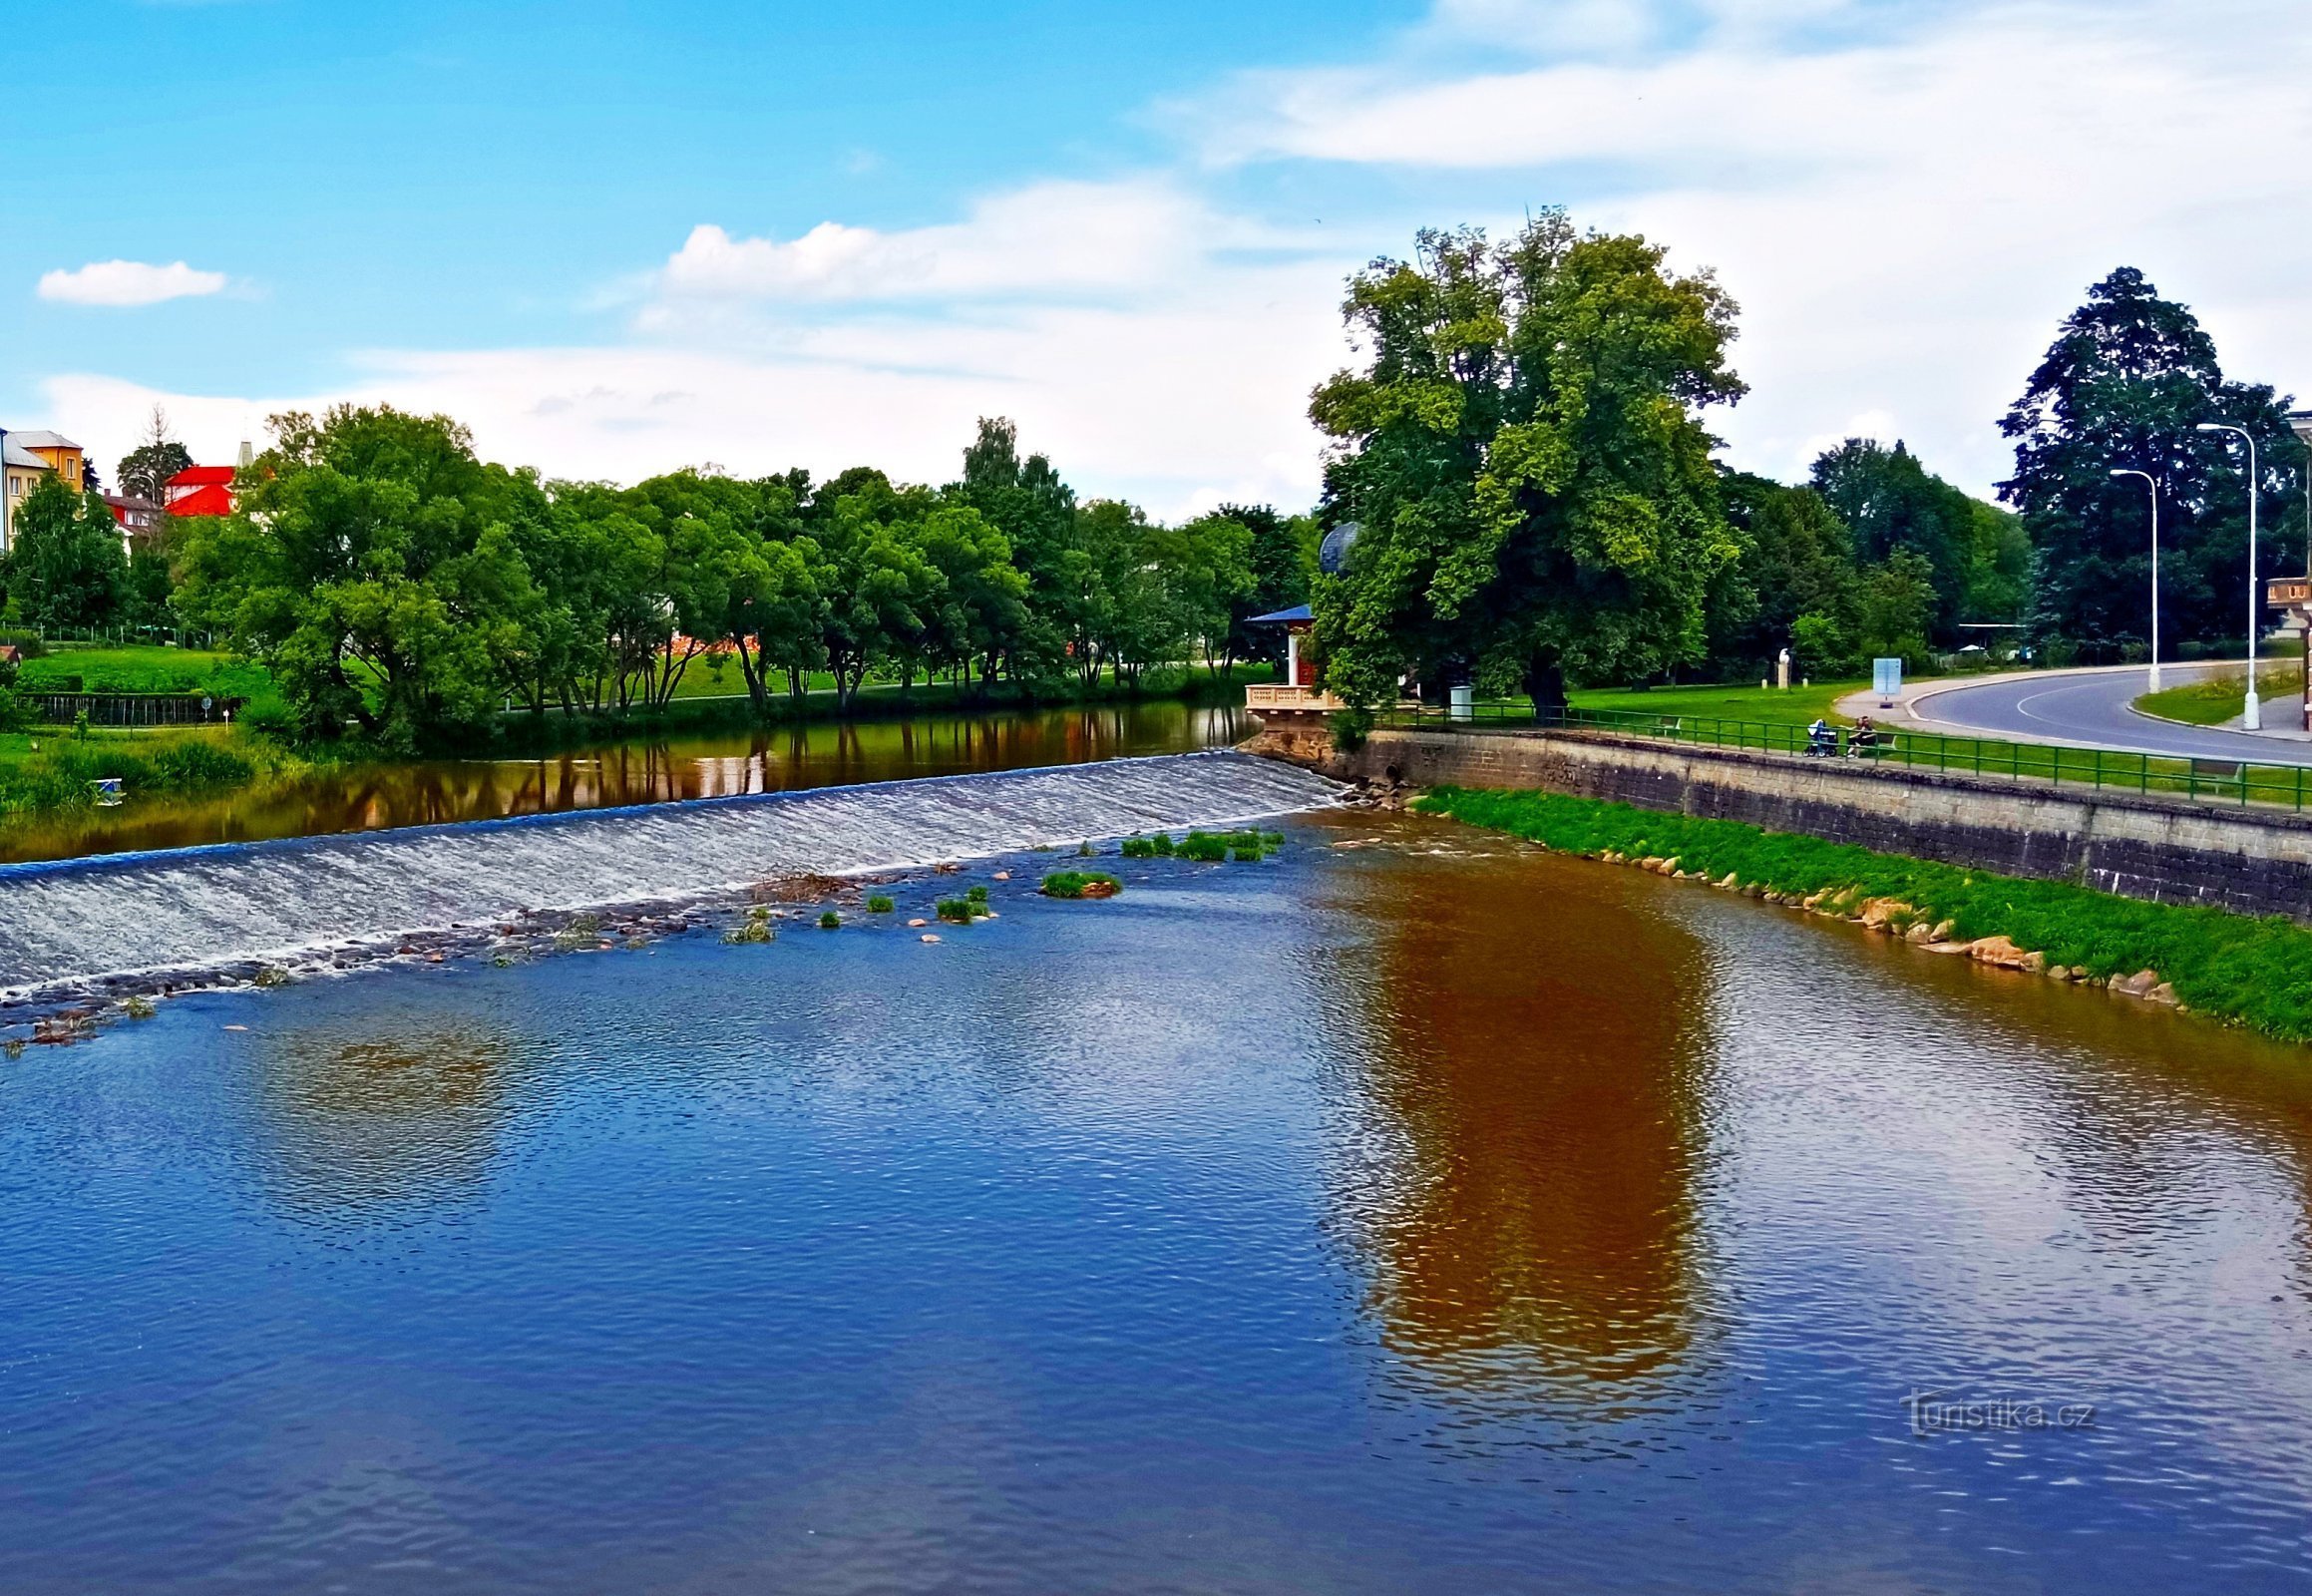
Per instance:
{"type": "Point", "coordinates": [1408, 1212]}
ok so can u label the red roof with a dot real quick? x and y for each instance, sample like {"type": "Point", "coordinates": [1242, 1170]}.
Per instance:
{"type": "Point", "coordinates": [202, 477]}
{"type": "Point", "coordinates": [206, 501]}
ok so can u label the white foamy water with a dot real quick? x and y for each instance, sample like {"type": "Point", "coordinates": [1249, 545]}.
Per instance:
{"type": "Point", "coordinates": [80, 920]}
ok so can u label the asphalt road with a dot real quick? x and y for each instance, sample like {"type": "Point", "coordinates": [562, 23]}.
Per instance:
{"type": "Point", "coordinates": [2091, 709]}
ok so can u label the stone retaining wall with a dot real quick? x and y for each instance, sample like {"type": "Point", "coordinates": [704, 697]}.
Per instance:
{"type": "Point", "coordinates": [2169, 850]}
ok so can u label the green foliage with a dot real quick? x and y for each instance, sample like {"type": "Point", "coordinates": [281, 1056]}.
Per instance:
{"type": "Point", "coordinates": [1524, 454]}
{"type": "Point", "coordinates": [1896, 606]}
{"type": "Point", "coordinates": [66, 566]}
{"type": "Point", "coordinates": [2128, 378]}
{"type": "Point", "coordinates": [829, 920]}
{"type": "Point", "coordinates": [2258, 972]}
{"type": "Point", "coordinates": [59, 777]}
{"type": "Point", "coordinates": [978, 895]}
{"type": "Point", "coordinates": [1080, 884]}
{"type": "Point", "coordinates": [961, 910]}
{"type": "Point", "coordinates": [1139, 848]}
{"type": "Point", "coordinates": [879, 905]}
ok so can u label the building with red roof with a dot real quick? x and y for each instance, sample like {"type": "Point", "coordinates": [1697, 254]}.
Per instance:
{"type": "Point", "coordinates": [200, 491]}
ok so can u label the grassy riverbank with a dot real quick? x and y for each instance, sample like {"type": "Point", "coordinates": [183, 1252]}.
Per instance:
{"type": "Point", "coordinates": [2249, 972]}
{"type": "Point", "coordinates": [1800, 707]}
{"type": "Point", "coordinates": [2215, 699]}
{"type": "Point", "coordinates": [46, 773]}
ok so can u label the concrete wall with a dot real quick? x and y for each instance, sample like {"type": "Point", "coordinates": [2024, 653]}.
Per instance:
{"type": "Point", "coordinates": [2164, 849]}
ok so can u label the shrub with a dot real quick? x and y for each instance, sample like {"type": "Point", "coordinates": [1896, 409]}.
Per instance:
{"type": "Point", "coordinates": [829, 920]}
{"type": "Point", "coordinates": [1139, 848]}
{"type": "Point", "coordinates": [978, 895]}
{"type": "Point", "coordinates": [957, 909]}
{"type": "Point", "coordinates": [879, 905]}
{"type": "Point", "coordinates": [1080, 884]}
{"type": "Point", "coordinates": [1163, 842]}
{"type": "Point", "coordinates": [1203, 847]}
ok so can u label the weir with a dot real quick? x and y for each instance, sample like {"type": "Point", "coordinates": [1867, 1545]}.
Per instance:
{"type": "Point", "coordinates": [79, 921]}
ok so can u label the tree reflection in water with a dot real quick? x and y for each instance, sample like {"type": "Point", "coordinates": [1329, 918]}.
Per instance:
{"type": "Point", "coordinates": [378, 795]}
{"type": "Point", "coordinates": [381, 1128]}
{"type": "Point", "coordinates": [1524, 1126]}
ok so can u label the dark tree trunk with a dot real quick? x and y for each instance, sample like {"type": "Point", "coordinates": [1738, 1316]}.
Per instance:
{"type": "Point", "coordinates": [1545, 685]}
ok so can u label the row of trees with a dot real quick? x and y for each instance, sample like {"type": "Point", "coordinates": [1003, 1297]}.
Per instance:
{"type": "Point", "coordinates": [1525, 454]}
{"type": "Point", "coordinates": [67, 565]}
{"type": "Point", "coordinates": [393, 580]}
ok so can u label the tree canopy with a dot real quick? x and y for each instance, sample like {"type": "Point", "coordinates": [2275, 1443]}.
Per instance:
{"type": "Point", "coordinates": [1524, 454]}
{"type": "Point", "coordinates": [65, 564]}
{"type": "Point", "coordinates": [2128, 377]}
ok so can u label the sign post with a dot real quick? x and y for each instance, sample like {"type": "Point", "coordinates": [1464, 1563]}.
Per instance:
{"type": "Point", "coordinates": [1886, 679]}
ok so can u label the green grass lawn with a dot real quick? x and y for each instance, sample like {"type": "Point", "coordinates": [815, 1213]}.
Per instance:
{"type": "Point", "coordinates": [2215, 699]}
{"type": "Point", "coordinates": [143, 669]}
{"type": "Point", "coordinates": [1800, 707]}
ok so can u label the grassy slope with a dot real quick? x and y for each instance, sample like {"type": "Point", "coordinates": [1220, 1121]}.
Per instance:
{"type": "Point", "coordinates": [1798, 707]}
{"type": "Point", "coordinates": [2257, 973]}
{"type": "Point", "coordinates": [136, 670]}
{"type": "Point", "coordinates": [2217, 699]}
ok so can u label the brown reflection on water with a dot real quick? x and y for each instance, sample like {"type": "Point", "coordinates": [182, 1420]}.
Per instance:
{"type": "Point", "coordinates": [1528, 1117]}
{"type": "Point", "coordinates": [376, 797]}
{"type": "Point", "coordinates": [380, 1125]}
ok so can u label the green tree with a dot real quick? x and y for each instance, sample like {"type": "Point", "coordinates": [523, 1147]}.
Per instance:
{"type": "Point", "coordinates": [1026, 501]}
{"type": "Point", "coordinates": [2128, 378]}
{"type": "Point", "coordinates": [144, 472]}
{"type": "Point", "coordinates": [1203, 571]}
{"type": "Point", "coordinates": [66, 566]}
{"type": "Point", "coordinates": [1797, 560]}
{"type": "Point", "coordinates": [1279, 562]}
{"type": "Point", "coordinates": [1524, 453]}
{"type": "Point", "coordinates": [374, 565]}
{"type": "Point", "coordinates": [1895, 604]}
{"type": "Point", "coordinates": [1889, 501]}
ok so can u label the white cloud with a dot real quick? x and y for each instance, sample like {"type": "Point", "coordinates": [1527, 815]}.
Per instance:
{"type": "Point", "coordinates": [1904, 217]}
{"type": "Point", "coordinates": [1905, 199]}
{"type": "Point", "coordinates": [1050, 238]}
{"type": "Point", "coordinates": [1178, 411]}
{"type": "Point", "coordinates": [116, 284]}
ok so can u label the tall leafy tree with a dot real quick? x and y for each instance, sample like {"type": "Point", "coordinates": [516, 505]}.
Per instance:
{"type": "Point", "coordinates": [1890, 502]}
{"type": "Point", "coordinates": [1026, 501]}
{"type": "Point", "coordinates": [66, 566]}
{"type": "Point", "coordinates": [1525, 454]}
{"type": "Point", "coordinates": [374, 565]}
{"type": "Point", "coordinates": [2128, 378]}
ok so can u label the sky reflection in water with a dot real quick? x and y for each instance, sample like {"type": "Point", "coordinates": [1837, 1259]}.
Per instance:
{"type": "Point", "coordinates": [1429, 1215]}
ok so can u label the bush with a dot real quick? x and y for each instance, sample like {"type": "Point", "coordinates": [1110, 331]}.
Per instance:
{"type": "Point", "coordinates": [978, 895]}
{"type": "Point", "coordinates": [1080, 884]}
{"type": "Point", "coordinates": [829, 920]}
{"type": "Point", "coordinates": [1204, 848]}
{"type": "Point", "coordinates": [879, 905]}
{"type": "Point", "coordinates": [1139, 847]}
{"type": "Point", "coordinates": [961, 910]}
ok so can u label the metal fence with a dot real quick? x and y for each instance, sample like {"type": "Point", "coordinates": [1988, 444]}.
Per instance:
{"type": "Point", "coordinates": [2204, 780]}
{"type": "Point", "coordinates": [133, 708]}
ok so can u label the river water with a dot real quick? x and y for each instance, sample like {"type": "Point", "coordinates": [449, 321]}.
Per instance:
{"type": "Point", "coordinates": [1412, 1211]}
{"type": "Point", "coordinates": [383, 794]}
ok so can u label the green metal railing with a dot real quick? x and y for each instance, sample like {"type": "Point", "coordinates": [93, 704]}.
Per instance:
{"type": "Point", "coordinates": [2205, 780]}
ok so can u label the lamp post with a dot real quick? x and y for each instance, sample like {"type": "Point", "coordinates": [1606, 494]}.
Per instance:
{"type": "Point", "coordinates": [2154, 487]}
{"type": "Point", "coordinates": [2250, 717]}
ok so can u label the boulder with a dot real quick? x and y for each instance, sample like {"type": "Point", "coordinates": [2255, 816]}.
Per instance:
{"type": "Point", "coordinates": [1880, 913]}
{"type": "Point", "coordinates": [2137, 986]}
{"type": "Point", "coordinates": [2001, 953]}
{"type": "Point", "coordinates": [2164, 995]}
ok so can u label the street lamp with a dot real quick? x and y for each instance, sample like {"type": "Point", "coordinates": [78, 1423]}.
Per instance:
{"type": "Point", "coordinates": [2250, 717]}
{"type": "Point", "coordinates": [2154, 487]}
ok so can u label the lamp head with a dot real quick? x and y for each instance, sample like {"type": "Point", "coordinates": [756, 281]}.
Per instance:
{"type": "Point", "coordinates": [2211, 426]}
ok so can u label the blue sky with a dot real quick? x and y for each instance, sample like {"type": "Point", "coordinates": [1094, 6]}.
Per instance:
{"type": "Point", "coordinates": [624, 237]}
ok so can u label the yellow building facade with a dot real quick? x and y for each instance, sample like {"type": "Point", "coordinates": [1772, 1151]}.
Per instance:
{"type": "Point", "coordinates": [26, 457]}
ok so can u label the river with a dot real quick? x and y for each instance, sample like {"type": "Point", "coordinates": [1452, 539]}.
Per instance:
{"type": "Point", "coordinates": [1413, 1211]}
{"type": "Point", "coordinates": [378, 795]}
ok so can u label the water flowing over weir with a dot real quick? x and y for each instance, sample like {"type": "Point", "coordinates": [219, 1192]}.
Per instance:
{"type": "Point", "coordinates": [75, 923]}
